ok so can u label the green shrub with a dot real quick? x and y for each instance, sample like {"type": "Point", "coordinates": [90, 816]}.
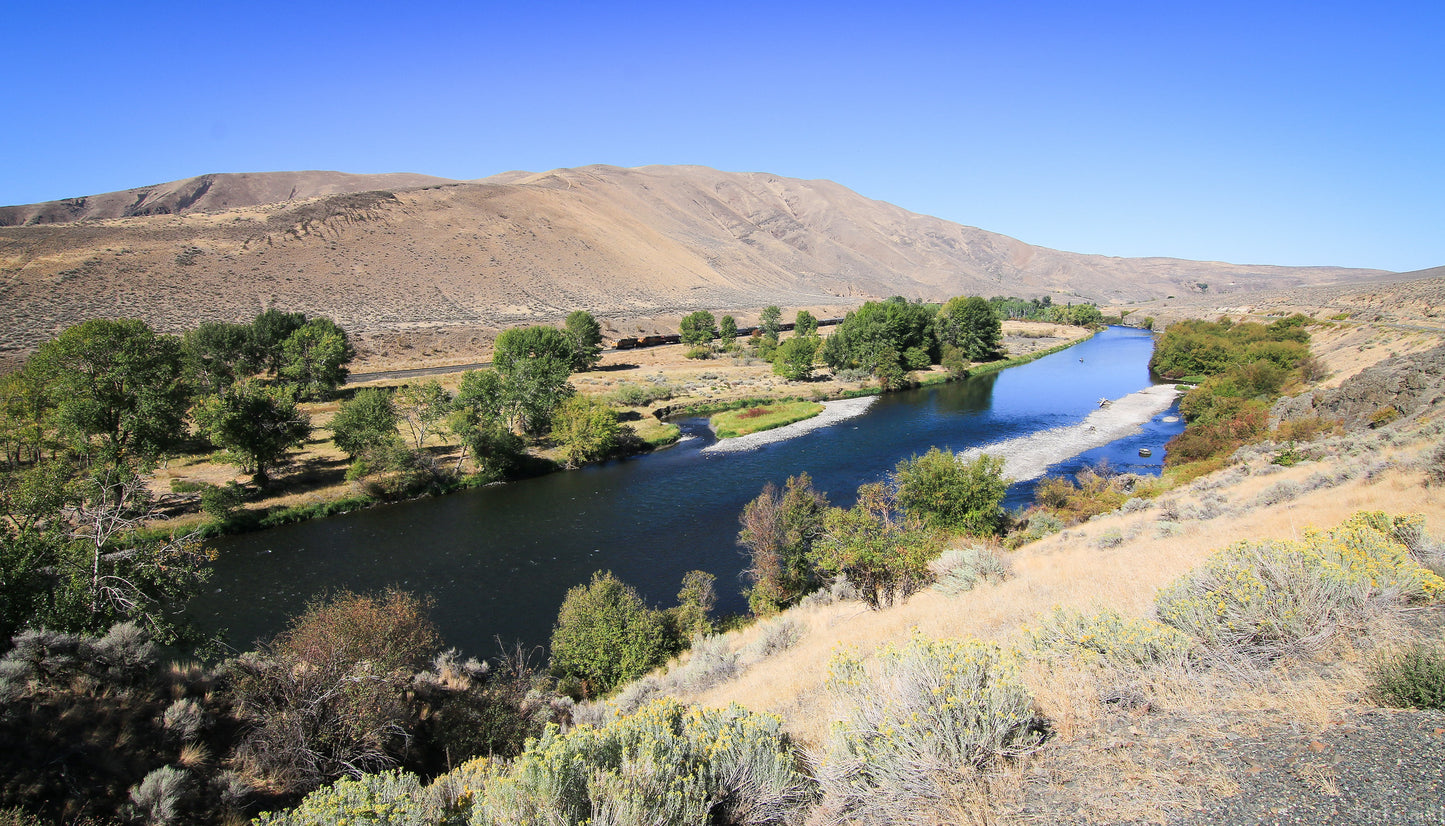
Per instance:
{"type": "Point", "coordinates": [667, 764]}
{"type": "Point", "coordinates": [1109, 637]}
{"type": "Point", "coordinates": [1413, 678]}
{"type": "Point", "coordinates": [606, 635]}
{"type": "Point", "coordinates": [221, 502]}
{"type": "Point", "coordinates": [1262, 600]}
{"type": "Point", "coordinates": [641, 395]}
{"type": "Point", "coordinates": [949, 493]}
{"type": "Point", "coordinates": [1040, 524]}
{"type": "Point", "coordinates": [930, 715]}
{"type": "Point", "coordinates": [186, 486]}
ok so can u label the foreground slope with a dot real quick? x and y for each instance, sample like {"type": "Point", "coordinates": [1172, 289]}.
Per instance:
{"type": "Point", "coordinates": [423, 255]}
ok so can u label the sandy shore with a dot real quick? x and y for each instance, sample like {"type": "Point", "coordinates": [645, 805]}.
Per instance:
{"type": "Point", "coordinates": [1029, 456]}
{"type": "Point", "coordinates": [834, 411]}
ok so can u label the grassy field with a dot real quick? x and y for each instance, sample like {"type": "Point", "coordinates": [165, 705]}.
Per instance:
{"type": "Point", "coordinates": [733, 423]}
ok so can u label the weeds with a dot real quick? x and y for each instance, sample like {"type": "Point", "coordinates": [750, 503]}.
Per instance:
{"type": "Point", "coordinates": [1413, 678]}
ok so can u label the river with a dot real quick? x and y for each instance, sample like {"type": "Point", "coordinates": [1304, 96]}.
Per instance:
{"type": "Point", "coordinates": [497, 561]}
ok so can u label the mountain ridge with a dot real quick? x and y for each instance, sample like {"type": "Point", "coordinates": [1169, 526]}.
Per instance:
{"type": "Point", "coordinates": [397, 254]}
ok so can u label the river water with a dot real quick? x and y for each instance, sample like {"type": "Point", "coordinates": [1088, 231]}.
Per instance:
{"type": "Point", "coordinates": [497, 561]}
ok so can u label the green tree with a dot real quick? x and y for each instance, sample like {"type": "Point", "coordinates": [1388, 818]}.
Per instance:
{"type": "Point", "coordinates": [770, 323]}
{"type": "Point", "coordinates": [256, 424]}
{"type": "Point", "coordinates": [364, 422]}
{"type": "Point", "coordinates": [886, 338]}
{"type": "Point", "coordinates": [606, 635]}
{"type": "Point", "coordinates": [695, 603]}
{"type": "Point", "coordinates": [793, 360]}
{"type": "Point", "coordinates": [480, 422]}
{"type": "Point", "coordinates": [881, 556]}
{"type": "Point", "coordinates": [779, 529]}
{"type": "Point", "coordinates": [216, 353]}
{"type": "Point", "coordinates": [25, 410]}
{"type": "Point", "coordinates": [971, 325]}
{"type": "Point", "coordinates": [585, 334]}
{"type": "Point", "coordinates": [315, 358]}
{"type": "Point", "coordinates": [72, 558]}
{"type": "Point", "coordinates": [699, 328]}
{"type": "Point", "coordinates": [116, 382]}
{"type": "Point", "coordinates": [806, 324]}
{"type": "Point", "coordinates": [533, 363]}
{"type": "Point", "coordinates": [946, 493]}
{"type": "Point", "coordinates": [423, 407]}
{"type": "Point", "coordinates": [269, 332]}
{"type": "Point", "coordinates": [728, 330]}
{"type": "Point", "coordinates": [586, 429]}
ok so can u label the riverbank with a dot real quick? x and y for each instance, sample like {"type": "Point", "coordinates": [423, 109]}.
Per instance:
{"type": "Point", "coordinates": [833, 412]}
{"type": "Point", "coordinates": [1028, 457]}
{"type": "Point", "coordinates": [314, 482]}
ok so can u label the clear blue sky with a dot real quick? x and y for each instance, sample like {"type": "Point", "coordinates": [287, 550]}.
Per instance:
{"type": "Point", "coordinates": [1253, 132]}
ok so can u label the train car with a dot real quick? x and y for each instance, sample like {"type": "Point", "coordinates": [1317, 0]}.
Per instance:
{"type": "Point", "coordinates": [627, 343]}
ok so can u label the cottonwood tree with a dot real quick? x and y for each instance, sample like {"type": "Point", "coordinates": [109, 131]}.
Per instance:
{"type": "Point", "coordinates": [315, 358]}
{"type": "Point", "coordinates": [217, 353]}
{"type": "Point", "coordinates": [423, 407]}
{"type": "Point", "coordinates": [793, 360]}
{"type": "Point", "coordinates": [364, 422]}
{"type": "Point", "coordinates": [805, 325]}
{"type": "Point", "coordinates": [698, 328]}
{"type": "Point", "coordinates": [115, 387]}
{"type": "Point", "coordinates": [882, 556]}
{"type": "Point", "coordinates": [269, 332]}
{"type": "Point", "coordinates": [479, 421]}
{"type": "Point", "coordinates": [71, 559]}
{"type": "Point", "coordinates": [727, 330]}
{"type": "Point", "coordinates": [585, 335]}
{"type": "Point", "coordinates": [971, 325]}
{"type": "Point", "coordinates": [770, 323]}
{"type": "Point", "coordinates": [534, 364]}
{"type": "Point", "coordinates": [256, 424]}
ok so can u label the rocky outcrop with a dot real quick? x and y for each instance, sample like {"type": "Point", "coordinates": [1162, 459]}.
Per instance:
{"type": "Point", "coordinates": [1409, 384]}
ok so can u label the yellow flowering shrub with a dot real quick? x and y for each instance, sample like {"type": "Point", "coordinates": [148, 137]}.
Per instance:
{"type": "Point", "coordinates": [392, 798]}
{"type": "Point", "coordinates": [1110, 638]}
{"type": "Point", "coordinates": [1263, 600]}
{"type": "Point", "coordinates": [929, 715]}
{"type": "Point", "coordinates": [665, 764]}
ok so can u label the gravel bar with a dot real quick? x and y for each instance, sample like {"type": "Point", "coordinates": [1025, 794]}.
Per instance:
{"type": "Point", "coordinates": [834, 411]}
{"type": "Point", "coordinates": [1028, 457]}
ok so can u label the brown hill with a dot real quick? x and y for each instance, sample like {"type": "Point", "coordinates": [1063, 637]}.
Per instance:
{"type": "Point", "coordinates": [439, 265]}
{"type": "Point", "coordinates": [207, 193]}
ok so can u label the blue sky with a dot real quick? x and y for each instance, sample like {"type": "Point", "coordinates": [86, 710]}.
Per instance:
{"type": "Point", "coordinates": [1258, 132]}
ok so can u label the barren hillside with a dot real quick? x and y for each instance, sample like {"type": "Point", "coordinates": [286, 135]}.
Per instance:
{"type": "Point", "coordinates": [438, 266]}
